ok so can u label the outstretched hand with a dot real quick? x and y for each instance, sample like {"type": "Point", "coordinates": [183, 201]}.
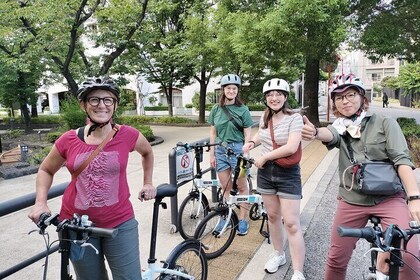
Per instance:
{"type": "Point", "coordinates": [309, 130]}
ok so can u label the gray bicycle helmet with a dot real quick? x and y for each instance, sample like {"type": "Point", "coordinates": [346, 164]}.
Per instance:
{"type": "Point", "coordinates": [230, 79]}
{"type": "Point", "coordinates": [93, 83]}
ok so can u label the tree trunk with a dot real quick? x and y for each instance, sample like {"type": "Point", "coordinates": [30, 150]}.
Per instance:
{"type": "Point", "coordinates": [203, 93]}
{"type": "Point", "coordinates": [311, 87]}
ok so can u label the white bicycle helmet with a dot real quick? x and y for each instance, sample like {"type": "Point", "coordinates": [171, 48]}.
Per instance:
{"type": "Point", "coordinates": [276, 84]}
{"type": "Point", "coordinates": [230, 79]}
{"type": "Point", "coordinates": [342, 82]}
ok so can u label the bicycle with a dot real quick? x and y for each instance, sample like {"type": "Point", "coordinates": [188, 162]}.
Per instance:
{"type": "Point", "coordinates": [196, 206]}
{"type": "Point", "coordinates": [186, 261]}
{"type": "Point", "coordinates": [385, 241]}
{"type": "Point", "coordinates": [217, 230]}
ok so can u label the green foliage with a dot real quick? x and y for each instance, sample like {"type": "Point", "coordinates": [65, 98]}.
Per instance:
{"type": "Point", "coordinates": [388, 28]}
{"type": "Point", "coordinates": [409, 77]}
{"type": "Point", "coordinates": [196, 101]}
{"type": "Point", "coordinates": [38, 157]}
{"type": "Point", "coordinates": [14, 133]}
{"type": "Point", "coordinates": [146, 131]}
{"type": "Point", "coordinates": [411, 132]}
{"type": "Point", "coordinates": [256, 107]}
{"type": "Point", "coordinates": [173, 120]}
{"type": "Point", "coordinates": [53, 136]}
{"type": "Point", "coordinates": [47, 119]}
{"type": "Point", "coordinates": [189, 105]}
{"type": "Point", "coordinates": [409, 127]}
{"type": "Point", "coordinates": [72, 115]}
{"type": "Point", "coordinates": [156, 108]}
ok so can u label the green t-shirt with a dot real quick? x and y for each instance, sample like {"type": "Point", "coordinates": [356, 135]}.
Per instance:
{"type": "Point", "coordinates": [226, 131]}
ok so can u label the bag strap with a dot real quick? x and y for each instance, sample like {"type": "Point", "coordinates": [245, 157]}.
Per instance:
{"type": "Point", "coordinates": [270, 123]}
{"type": "Point", "coordinates": [111, 134]}
{"type": "Point", "coordinates": [349, 148]}
{"type": "Point", "coordinates": [229, 115]}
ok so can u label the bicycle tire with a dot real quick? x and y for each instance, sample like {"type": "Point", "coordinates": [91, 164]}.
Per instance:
{"type": "Point", "coordinates": [188, 257]}
{"type": "Point", "coordinates": [215, 246]}
{"type": "Point", "coordinates": [187, 214]}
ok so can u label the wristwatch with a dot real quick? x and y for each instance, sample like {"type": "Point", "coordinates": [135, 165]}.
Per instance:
{"type": "Point", "coordinates": [413, 197]}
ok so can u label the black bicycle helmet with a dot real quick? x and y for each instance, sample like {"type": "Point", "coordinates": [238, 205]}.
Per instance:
{"type": "Point", "coordinates": [105, 83]}
{"type": "Point", "coordinates": [93, 83]}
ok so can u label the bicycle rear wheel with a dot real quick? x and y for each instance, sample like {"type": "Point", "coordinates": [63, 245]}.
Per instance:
{"type": "Point", "coordinates": [191, 212]}
{"type": "Point", "coordinates": [188, 257]}
{"type": "Point", "coordinates": [208, 234]}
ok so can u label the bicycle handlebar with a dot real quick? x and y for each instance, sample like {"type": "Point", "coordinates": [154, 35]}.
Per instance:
{"type": "Point", "coordinates": [188, 146]}
{"type": "Point", "coordinates": [367, 233]}
{"type": "Point", "coordinates": [389, 235]}
{"type": "Point", "coordinates": [47, 219]}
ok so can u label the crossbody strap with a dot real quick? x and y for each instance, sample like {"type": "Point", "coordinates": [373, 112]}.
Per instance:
{"type": "Point", "coordinates": [96, 151]}
{"type": "Point", "coordinates": [228, 114]}
{"type": "Point", "coordinates": [270, 123]}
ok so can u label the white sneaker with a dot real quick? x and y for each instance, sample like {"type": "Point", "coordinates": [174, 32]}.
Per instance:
{"type": "Point", "coordinates": [276, 260]}
{"type": "Point", "coordinates": [297, 275]}
{"type": "Point", "coordinates": [381, 276]}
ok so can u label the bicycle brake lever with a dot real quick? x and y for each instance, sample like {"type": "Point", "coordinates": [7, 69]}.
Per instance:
{"type": "Point", "coordinates": [373, 249]}
{"type": "Point", "coordinates": [89, 245]}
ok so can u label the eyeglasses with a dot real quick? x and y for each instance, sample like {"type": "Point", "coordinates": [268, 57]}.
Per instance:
{"type": "Point", "coordinates": [273, 94]}
{"type": "Point", "coordinates": [349, 96]}
{"type": "Point", "coordinates": [94, 101]}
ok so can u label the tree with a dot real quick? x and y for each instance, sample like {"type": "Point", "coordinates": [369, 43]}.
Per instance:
{"type": "Point", "coordinates": [312, 29]}
{"type": "Point", "coordinates": [20, 63]}
{"type": "Point", "coordinates": [387, 28]}
{"type": "Point", "coordinates": [61, 31]}
{"type": "Point", "coordinates": [409, 78]}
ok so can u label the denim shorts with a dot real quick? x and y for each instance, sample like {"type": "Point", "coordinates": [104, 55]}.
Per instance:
{"type": "Point", "coordinates": [223, 161]}
{"type": "Point", "coordinates": [284, 182]}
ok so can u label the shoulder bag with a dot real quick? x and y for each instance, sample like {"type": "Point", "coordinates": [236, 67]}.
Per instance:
{"type": "Point", "coordinates": [96, 151]}
{"type": "Point", "coordinates": [289, 161]}
{"type": "Point", "coordinates": [372, 177]}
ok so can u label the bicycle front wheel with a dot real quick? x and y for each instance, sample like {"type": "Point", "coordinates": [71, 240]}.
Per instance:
{"type": "Point", "coordinates": [208, 232]}
{"type": "Point", "coordinates": [191, 212]}
{"type": "Point", "coordinates": [189, 258]}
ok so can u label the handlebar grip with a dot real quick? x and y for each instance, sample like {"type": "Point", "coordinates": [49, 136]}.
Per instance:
{"type": "Point", "coordinates": [367, 233]}
{"type": "Point", "coordinates": [104, 232]}
{"type": "Point", "coordinates": [100, 232]}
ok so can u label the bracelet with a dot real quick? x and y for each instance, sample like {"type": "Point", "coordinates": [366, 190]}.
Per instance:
{"type": "Point", "coordinates": [316, 132]}
{"type": "Point", "coordinates": [413, 197]}
{"type": "Point", "coordinates": [252, 142]}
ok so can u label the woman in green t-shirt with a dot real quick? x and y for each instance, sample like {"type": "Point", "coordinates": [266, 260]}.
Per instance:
{"type": "Point", "coordinates": [231, 123]}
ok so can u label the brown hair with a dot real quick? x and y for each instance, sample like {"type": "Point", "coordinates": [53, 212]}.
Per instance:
{"type": "Point", "coordinates": [222, 100]}
{"type": "Point", "coordinates": [268, 113]}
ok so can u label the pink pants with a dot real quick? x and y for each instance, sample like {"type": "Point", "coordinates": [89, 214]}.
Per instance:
{"type": "Point", "coordinates": [390, 211]}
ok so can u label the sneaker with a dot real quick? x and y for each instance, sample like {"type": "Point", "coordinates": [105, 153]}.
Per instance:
{"type": "Point", "coordinates": [297, 275]}
{"type": "Point", "coordinates": [276, 260]}
{"type": "Point", "coordinates": [221, 224]}
{"type": "Point", "coordinates": [243, 227]}
{"type": "Point", "coordinates": [380, 276]}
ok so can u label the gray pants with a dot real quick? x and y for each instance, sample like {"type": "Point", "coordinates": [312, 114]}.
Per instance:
{"type": "Point", "coordinates": [122, 254]}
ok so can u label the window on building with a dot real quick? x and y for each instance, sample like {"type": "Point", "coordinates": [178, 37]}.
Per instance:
{"type": "Point", "coordinates": [376, 77]}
